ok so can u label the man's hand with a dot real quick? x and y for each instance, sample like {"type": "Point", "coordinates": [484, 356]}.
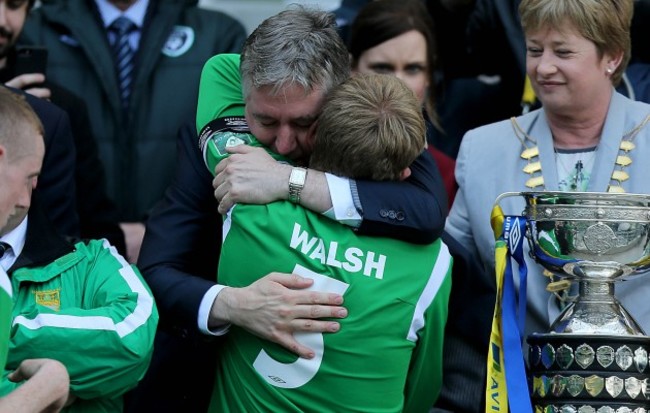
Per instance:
{"type": "Point", "coordinates": [27, 81]}
{"type": "Point", "coordinates": [251, 176]}
{"type": "Point", "coordinates": [46, 388]}
{"type": "Point", "coordinates": [273, 308]}
{"type": "Point", "coordinates": [133, 236]}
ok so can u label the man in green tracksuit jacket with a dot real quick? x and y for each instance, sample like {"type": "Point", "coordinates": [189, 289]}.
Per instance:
{"type": "Point", "coordinates": [137, 147]}
{"type": "Point", "coordinates": [388, 355]}
{"type": "Point", "coordinates": [81, 304]}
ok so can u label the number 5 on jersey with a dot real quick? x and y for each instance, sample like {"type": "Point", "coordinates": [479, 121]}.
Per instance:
{"type": "Point", "coordinates": [298, 373]}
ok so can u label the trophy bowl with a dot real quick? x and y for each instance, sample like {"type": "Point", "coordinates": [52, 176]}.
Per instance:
{"type": "Point", "coordinates": [594, 239]}
{"type": "Point", "coordinates": [595, 358]}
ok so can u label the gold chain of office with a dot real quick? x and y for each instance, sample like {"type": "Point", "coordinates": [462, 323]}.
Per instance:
{"type": "Point", "coordinates": [560, 287]}
{"type": "Point", "coordinates": [534, 166]}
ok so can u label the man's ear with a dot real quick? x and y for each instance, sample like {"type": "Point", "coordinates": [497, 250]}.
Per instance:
{"type": "Point", "coordinates": [405, 173]}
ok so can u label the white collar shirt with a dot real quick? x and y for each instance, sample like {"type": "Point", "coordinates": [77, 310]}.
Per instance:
{"type": "Point", "coordinates": [16, 239]}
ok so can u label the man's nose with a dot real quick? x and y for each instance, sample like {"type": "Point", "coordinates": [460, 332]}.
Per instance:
{"type": "Point", "coordinates": [285, 141]}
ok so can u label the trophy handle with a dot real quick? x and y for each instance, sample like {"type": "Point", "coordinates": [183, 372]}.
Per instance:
{"type": "Point", "coordinates": [507, 195]}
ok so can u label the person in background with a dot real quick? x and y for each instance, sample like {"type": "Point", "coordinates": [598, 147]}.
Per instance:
{"type": "Point", "coordinates": [97, 214]}
{"type": "Point", "coordinates": [396, 37]}
{"type": "Point", "coordinates": [136, 64]}
{"type": "Point", "coordinates": [183, 277]}
{"type": "Point", "coordinates": [44, 381]}
{"type": "Point", "coordinates": [80, 304]}
{"type": "Point", "coordinates": [579, 140]}
{"type": "Point", "coordinates": [371, 127]}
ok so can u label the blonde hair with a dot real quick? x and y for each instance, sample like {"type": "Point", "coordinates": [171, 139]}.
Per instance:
{"type": "Point", "coordinates": [15, 114]}
{"type": "Point", "coordinates": [604, 22]}
{"type": "Point", "coordinates": [371, 127]}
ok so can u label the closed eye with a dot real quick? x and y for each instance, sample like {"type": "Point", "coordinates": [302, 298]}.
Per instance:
{"type": "Point", "coordinates": [382, 68]}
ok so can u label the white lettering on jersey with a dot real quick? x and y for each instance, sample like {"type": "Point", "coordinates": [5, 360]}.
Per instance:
{"type": "Point", "coordinates": [353, 259]}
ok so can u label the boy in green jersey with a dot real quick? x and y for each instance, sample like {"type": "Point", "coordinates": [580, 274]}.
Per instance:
{"type": "Point", "coordinates": [388, 354]}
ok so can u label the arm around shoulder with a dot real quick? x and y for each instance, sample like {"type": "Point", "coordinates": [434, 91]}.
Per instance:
{"type": "Point", "coordinates": [412, 210]}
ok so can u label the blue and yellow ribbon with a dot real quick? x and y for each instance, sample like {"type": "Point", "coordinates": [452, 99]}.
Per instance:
{"type": "Point", "coordinates": [507, 386]}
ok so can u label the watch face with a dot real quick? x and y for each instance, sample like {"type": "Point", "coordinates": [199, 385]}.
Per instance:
{"type": "Point", "coordinates": [298, 176]}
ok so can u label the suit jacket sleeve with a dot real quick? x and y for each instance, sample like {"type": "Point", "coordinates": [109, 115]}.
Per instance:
{"type": "Point", "coordinates": [413, 210]}
{"type": "Point", "coordinates": [180, 251]}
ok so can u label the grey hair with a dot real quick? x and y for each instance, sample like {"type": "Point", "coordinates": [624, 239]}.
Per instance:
{"type": "Point", "coordinates": [298, 46]}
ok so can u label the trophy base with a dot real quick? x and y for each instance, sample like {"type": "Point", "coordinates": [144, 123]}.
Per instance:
{"type": "Point", "coordinates": [585, 373]}
{"type": "Point", "coordinates": [602, 317]}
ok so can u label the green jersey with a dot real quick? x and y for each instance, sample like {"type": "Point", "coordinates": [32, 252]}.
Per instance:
{"type": "Point", "coordinates": [387, 357]}
{"type": "Point", "coordinates": [5, 315]}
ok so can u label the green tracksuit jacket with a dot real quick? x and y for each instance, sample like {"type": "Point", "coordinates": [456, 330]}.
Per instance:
{"type": "Point", "coordinates": [90, 310]}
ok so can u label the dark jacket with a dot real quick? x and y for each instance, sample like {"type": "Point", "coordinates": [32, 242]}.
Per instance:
{"type": "Point", "coordinates": [137, 148]}
{"type": "Point", "coordinates": [56, 183]}
{"type": "Point", "coordinates": [43, 244]}
{"type": "Point", "coordinates": [98, 217]}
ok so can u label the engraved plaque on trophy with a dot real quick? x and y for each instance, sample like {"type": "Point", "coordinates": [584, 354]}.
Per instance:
{"type": "Point", "coordinates": [595, 358]}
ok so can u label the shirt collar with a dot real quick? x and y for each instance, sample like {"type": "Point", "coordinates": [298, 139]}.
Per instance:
{"type": "Point", "coordinates": [110, 13]}
{"type": "Point", "coordinates": [16, 237]}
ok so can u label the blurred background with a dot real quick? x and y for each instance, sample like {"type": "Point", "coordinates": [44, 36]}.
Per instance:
{"type": "Point", "coordinates": [252, 12]}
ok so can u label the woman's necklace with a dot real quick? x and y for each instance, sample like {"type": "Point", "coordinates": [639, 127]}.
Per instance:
{"type": "Point", "coordinates": [575, 176]}
{"type": "Point", "coordinates": [534, 166]}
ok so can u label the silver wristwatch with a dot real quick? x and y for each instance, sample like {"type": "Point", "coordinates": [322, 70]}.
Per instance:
{"type": "Point", "coordinates": [296, 183]}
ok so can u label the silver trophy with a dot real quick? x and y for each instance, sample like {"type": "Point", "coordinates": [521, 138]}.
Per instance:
{"type": "Point", "coordinates": [595, 359]}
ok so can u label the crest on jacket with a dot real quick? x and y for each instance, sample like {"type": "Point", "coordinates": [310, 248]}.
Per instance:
{"type": "Point", "coordinates": [179, 41]}
{"type": "Point", "coordinates": [49, 298]}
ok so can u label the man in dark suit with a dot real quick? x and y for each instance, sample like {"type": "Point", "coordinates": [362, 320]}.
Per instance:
{"type": "Point", "coordinates": [179, 256]}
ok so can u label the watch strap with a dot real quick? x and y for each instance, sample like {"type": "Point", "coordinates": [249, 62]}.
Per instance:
{"type": "Point", "coordinates": [296, 183]}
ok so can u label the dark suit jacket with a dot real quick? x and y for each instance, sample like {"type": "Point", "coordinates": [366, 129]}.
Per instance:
{"type": "Point", "coordinates": [97, 214]}
{"type": "Point", "coordinates": [180, 253]}
{"type": "Point", "coordinates": [43, 244]}
{"type": "Point", "coordinates": [56, 184]}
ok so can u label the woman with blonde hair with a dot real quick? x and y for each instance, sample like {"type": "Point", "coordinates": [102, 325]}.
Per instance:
{"type": "Point", "coordinates": [586, 137]}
